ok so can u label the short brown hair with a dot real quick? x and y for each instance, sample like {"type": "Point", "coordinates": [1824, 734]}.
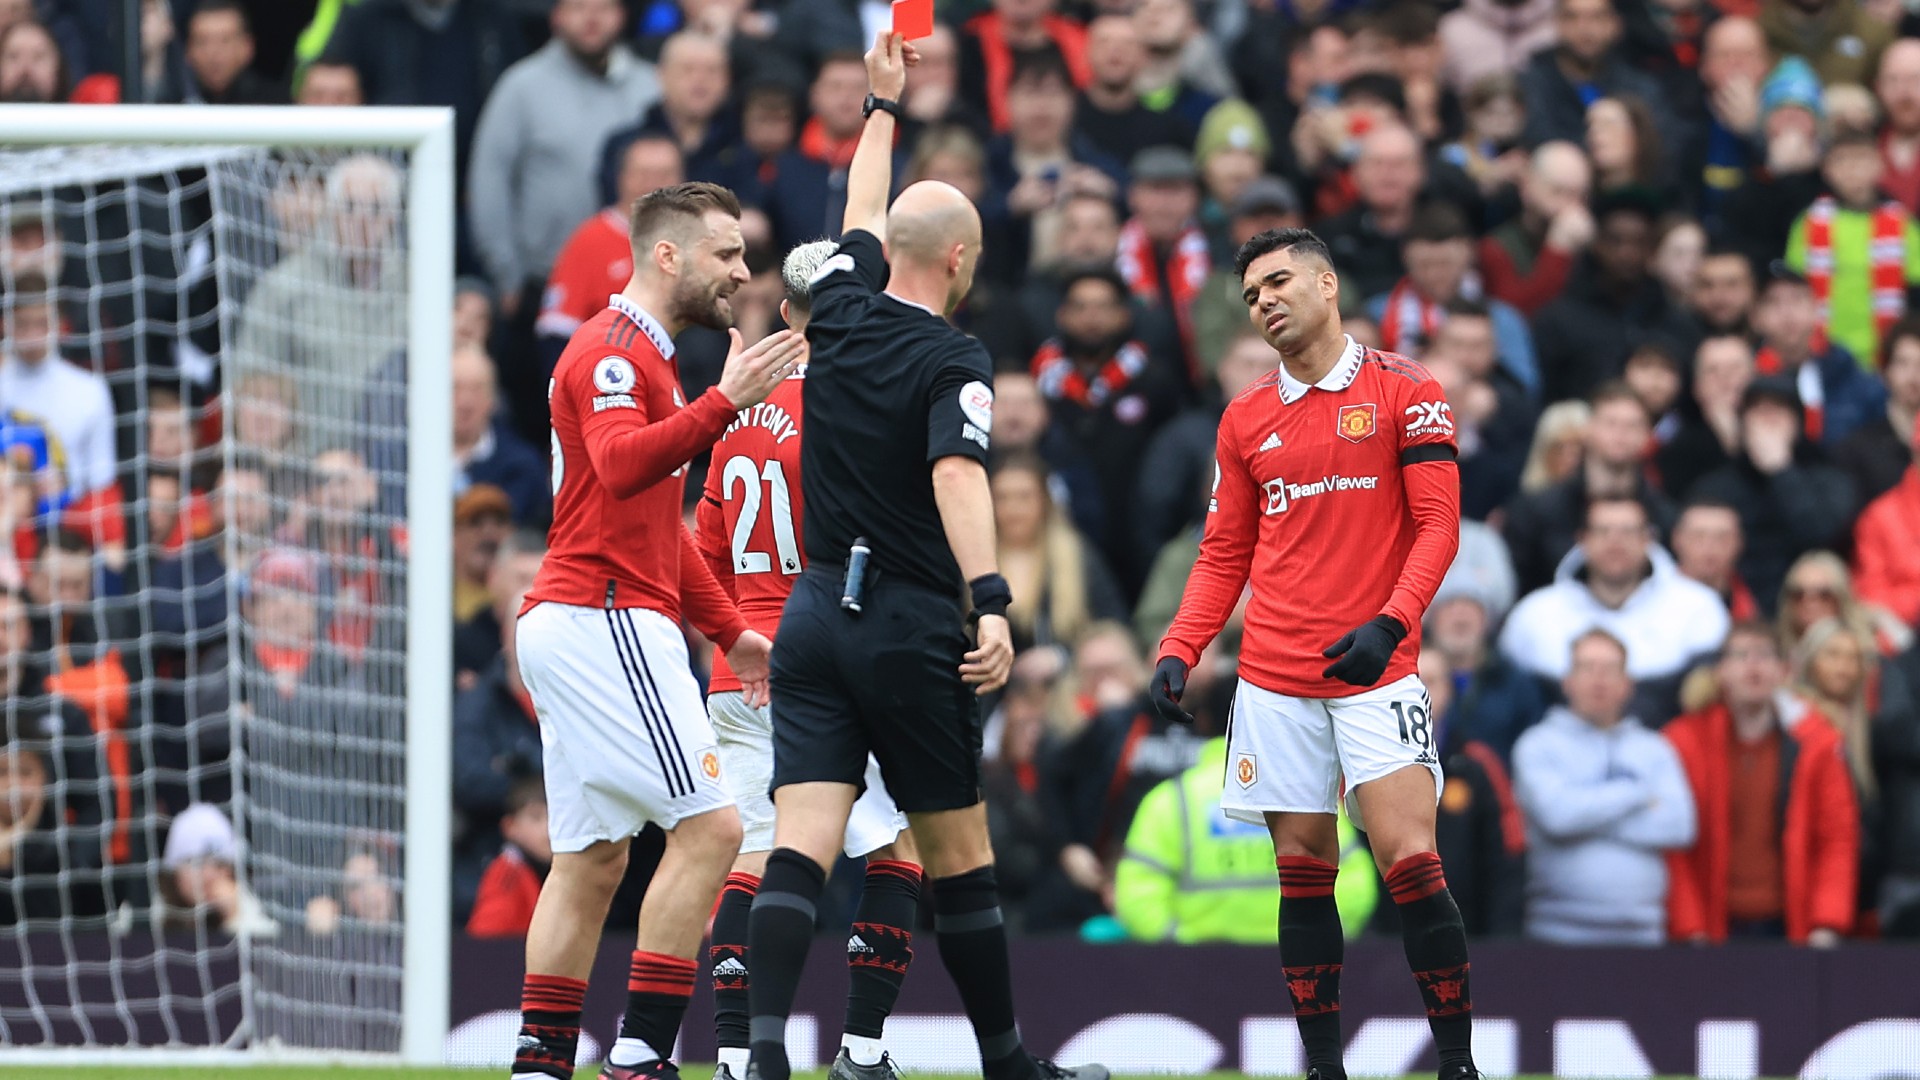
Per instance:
{"type": "Point", "coordinates": [658, 211]}
{"type": "Point", "coordinates": [1758, 630]}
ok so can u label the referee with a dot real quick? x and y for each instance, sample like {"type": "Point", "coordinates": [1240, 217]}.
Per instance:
{"type": "Point", "coordinates": [873, 652]}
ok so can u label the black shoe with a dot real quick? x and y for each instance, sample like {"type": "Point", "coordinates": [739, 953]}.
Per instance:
{"type": "Point", "coordinates": [1316, 1074]}
{"type": "Point", "coordinates": [1050, 1071]}
{"type": "Point", "coordinates": [1460, 1072]}
{"type": "Point", "coordinates": [845, 1068]}
{"type": "Point", "coordinates": [722, 1072]}
{"type": "Point", "coordinates": [657, 1069]}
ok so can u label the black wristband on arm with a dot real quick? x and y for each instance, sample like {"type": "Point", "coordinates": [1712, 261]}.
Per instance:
{"type": "Point", "coordinates": [991, 595]}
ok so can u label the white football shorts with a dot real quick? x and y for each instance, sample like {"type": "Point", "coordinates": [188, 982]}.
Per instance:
{"type": "Point", "coordinates": [746, 759]}
{"type": "Point", "coordinates": [625, 737]}
{"type": "Point", "coordinates": [1294, 754]}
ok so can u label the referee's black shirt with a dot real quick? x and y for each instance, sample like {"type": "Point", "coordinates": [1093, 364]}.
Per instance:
{"type": "Point", "coordinates": [891, 388]}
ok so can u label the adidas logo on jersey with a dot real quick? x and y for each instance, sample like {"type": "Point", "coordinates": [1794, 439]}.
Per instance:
{"type": "Point", "coordinates": [1272, 443]}
{"type": "Point", "coordinates": [858, 944]}
{"type": "Point", "coordinates": [731, 967]}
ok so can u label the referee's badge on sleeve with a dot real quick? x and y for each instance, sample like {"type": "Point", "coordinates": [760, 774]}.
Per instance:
{"type": "Point", "coordinates": [839, 261]}
{"type": "Point", "coordinates": [976, 401]}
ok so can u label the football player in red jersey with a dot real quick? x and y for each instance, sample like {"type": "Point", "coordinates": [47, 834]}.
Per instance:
{"type": "Point", "coordinates": [1335, 487]}
{"type": "Point", "coordinates": [599, 641]}
{"type": "Point", "coordinates": [749, 531]}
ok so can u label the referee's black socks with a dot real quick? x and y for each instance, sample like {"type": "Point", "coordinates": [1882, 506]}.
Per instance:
{"type": "Point", "coordinates": [973, 946]}
{"type": "Point", "coordinates": [778, 933]}
{"type": "Point", "coordinates": [1436, 943]}
{"type": "Point", "coordinates": [1312, 951]}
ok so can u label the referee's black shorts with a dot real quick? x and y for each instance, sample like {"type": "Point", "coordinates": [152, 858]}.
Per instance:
{"type": "Point", "coordinates": [886, 681]}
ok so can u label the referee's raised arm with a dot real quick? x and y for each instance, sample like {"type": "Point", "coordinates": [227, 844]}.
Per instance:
{"type": "Point", "coordinates": [870, 176]}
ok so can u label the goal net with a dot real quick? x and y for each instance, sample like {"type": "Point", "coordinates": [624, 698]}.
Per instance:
{"type": "Point", "coordinates": [223, 795]}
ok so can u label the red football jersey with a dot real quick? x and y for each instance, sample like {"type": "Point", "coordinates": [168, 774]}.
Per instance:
{"type": "Point", "coordinates": [622, 437]}
{"type": "Point", "coordinates": [1321, 491]}
{"type": "Point", "coordinates": [595, 264]}
{"type": "Point", "coordinates": [748, 524]}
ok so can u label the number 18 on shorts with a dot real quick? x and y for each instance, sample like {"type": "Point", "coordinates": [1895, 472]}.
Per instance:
{"type": "Point", "coordinates": [1291, 753]}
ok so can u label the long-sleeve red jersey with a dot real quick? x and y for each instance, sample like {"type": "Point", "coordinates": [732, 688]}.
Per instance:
{"type": "Point", "coordinates": [748, 524]}
{"type": "Point", "coordinates": [622, 437]}
{"type": "Point", "coordinates": [1342, 500]}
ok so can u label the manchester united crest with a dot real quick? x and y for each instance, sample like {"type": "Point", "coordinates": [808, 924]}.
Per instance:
{"type": "Point", "coordinates": [1356, 421]}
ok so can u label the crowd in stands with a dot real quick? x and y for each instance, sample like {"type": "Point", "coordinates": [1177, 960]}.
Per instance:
{"type": "Point", "coordinates": [1661, 254]}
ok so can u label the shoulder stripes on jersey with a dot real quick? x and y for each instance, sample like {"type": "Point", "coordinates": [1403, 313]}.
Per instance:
{"type": "Point", "coordinates": [1264, 382]}
{"type": "Point", "coordinates": [621, 331]}
{"type": "Point", "coordinates": [1398, 365]}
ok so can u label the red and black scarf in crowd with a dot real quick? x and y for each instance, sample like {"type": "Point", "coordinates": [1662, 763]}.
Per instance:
{"type": "Point", "coordinates": [1060, 378]}
{"type": "Point", "coordinates": [1186, 276]}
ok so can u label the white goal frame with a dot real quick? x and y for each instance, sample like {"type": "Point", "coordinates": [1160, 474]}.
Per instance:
{"type": "Point", "coordinates": [427, 135]}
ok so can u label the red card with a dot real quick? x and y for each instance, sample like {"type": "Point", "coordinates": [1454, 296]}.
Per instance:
{"type": "Point", "coordinates": [913, 19]}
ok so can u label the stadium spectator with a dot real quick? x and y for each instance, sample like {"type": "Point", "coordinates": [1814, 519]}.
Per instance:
{"type": "Point", "coordinates": [472, 312]}
{"type": "Point", "coordinates": [482, 517]}
{"type": "Point", "coordinates": [1023, 816]}
{"type": "Point", "coordinates": [1677, 256]}
{"type": "Point", "coordinates": [367, 895]}
{"type": "Point", "coordinates": [200, 884]}
{"type": "Point", "coordinates": [1733, 67]}
{"type": "Point", "coordinates": [1604, 800]}
{"type": "Point", "coordinates": [220, 56]}
{"type": "Point", "coordinates": [87, 648]}
{"type": "Point", "coordinates": [1110, 113]}
{"type": "Point", "coordinates": [933, 85]}
{"type": "Point", "coordinates": [1164, 255]}
{"type": "Point", "coordinates": [1022, 424]}
{"type": "Point", "coordinates": [1618, 579]}
{"type": "Point", "coordinates": [1818, 586]}
{"type": "Point", "coordinates": [1231, 152]}
{"type": "Point", "coordinates": [1437, 251]}
{"type": "Point", "coordinates": [511, 885]}
{"type": "Point", "coordinates": [1529, 259]}
{"type": "Point", "coordinates": [496, 737]}
{"type": "Point", "coordinates": [770, 167]}
{"type": "Point", "coordinates": [1492, 414]}
{"type": "Point", "coordinates": [1653, 374]}
{"type": "Point", "coordinates": [330, 314]}
{"type": "Point", "coordinates": [1722, 297]}
{"type": "Point", "coordinates": [1897, 88]}
{"type": "Point", "coordinates": [1489, 150]}
{"type": "Point", "coordinates": [1121, 751]}
{"type": "Point", "coordinates": [479, 641]}
{"type": "Point", "coordinates": [1108, 393]}
{"type": "Point", "coordinates": [1036, 164]}
{"type": "Point", "coordinates": [1611, 306]}
{"type": "Point", "coordinates": [1185, 74]}
{"type": "Point", "coordinates": [1790, 502]}
{"type": "Point", "coordinates": [429, 52]}
{"type": "Point", "coordinates": [64, 820]}
{"type": "Point", "coordinates": [1778, 848]}
{"type": "Point", "coordinates": [32, 68]}
{"type": "Point", "coordinates": [1792, 112]}
{"type": "Point", "coordinates": [1388, 174]}
{"type": "Point", "coordinates": [995, 43]}
{"type": "Point", "coordinates": [1859, 250]}
{"type": "Point", "coordinates": [1173, 494]}
{"type": "Point", "coordinates": [1493, 37]}
{"type": "Point", "coordinates": [1064, 584]}
{"type": "Point", "coordinates": [1193, 876]}
{"type": "Point", "coordinates": [336, 520]}
{"type": "Point", "coordinates": [537, 144]}
{"type": "Point", "coordinates": [485, 451]}
{"type": "Point", "coordinates": [330, 83]}
{"type": "Point", "coordinates": [1492, 699]}
{"type": "Point", "coordinates": [1838, 396]}
{"type": "Point", "coordinates": [834, 101]}
{"type": "Point", "coordinates": [1837, 669]}
{"type": "Point", "coordinates": [1842, 41]}
{"type": "Point", "coordinates": [1540, 526]}
{"type": "Point", "coordinates": [1886, 571]}
{"type": "Point", "coordinates": [1708, 434]}
{"type": "Point", "coordinates": [1317, 62]}
{"type": "Point", "coordinates": [1561, 81]}
{"type": "Point", "coordinates": [74, 402]}
{"type": "Point", "coordinates": [1876, 455]}
{"type": "Point", "coordinates": [1707, 539]}
{"type": "Point", "coordinates": [694, 86]}
{"type": "Point", "coordinates": [1559, 446]}
{"type": "Point", "coordinates": [1625, 147]}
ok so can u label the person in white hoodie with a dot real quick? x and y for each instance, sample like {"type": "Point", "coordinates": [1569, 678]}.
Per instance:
{"type": "Point", "coordinates": [1618, 579]}
{"type": "Point", "coordinates": [1604, 800]}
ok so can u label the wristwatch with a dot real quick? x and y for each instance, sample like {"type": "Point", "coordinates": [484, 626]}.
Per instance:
{"type": "Point", "coordinates": [887, 105]}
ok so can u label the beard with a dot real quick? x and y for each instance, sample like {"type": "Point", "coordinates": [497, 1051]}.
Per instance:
{"type": "Point", "coordinates": [700, 303]}
{"type": "Point", "coordinates": [25, 92]}
{"type": "Point", "coordinates": [1092, 346]}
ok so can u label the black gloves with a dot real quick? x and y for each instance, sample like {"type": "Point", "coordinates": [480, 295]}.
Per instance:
{"type": "Point", "coordinates": [1365, 651]}
{"type": "Point", "coordinates": [1169, 682]}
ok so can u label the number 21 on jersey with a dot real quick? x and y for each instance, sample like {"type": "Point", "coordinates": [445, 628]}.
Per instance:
{"type": "Point", "coordinates": [777, 502]}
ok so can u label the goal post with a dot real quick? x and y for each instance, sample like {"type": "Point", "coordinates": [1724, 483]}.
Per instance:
{"type": "Point", "coordinates": [422, 683]}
